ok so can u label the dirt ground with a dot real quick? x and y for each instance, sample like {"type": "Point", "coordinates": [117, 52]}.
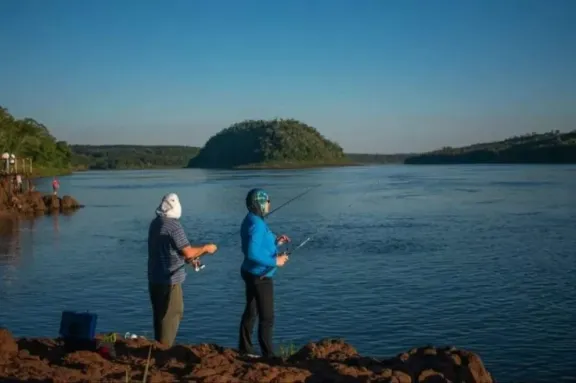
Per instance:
{"type": "Point", "coordinates": [46, 360]}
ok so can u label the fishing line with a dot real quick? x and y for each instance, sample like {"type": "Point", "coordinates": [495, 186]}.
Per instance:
{"type": "Point", "coordinates": [310, 237]}
{"type": "Point", "coordinates": [199, 266]}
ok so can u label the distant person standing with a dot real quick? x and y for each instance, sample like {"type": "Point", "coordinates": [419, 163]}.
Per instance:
{"type": "Point", "coordinates": [168, 250]}
{"type": "Point", "coordinates": [55, 186]}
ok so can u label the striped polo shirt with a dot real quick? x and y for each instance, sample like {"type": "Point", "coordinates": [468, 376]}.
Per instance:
{"type": "Point", "coordinates": [166, 237]}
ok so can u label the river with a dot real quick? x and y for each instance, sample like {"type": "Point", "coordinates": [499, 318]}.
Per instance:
{"type": "Point", "coordinates": [480, 257]}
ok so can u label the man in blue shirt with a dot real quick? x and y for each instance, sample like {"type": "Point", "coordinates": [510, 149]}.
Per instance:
{"type": "Point", "coordinates": [261, 259]}
{"type": "Point", "coordinates": [168, 250]}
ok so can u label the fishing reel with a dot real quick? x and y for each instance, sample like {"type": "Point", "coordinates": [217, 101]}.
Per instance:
{"type": "Point", "coordinates": [197, 265]}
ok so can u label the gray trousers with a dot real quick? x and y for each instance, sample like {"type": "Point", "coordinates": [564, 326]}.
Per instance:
{"type": "Point", "coordinates": [167, 309]}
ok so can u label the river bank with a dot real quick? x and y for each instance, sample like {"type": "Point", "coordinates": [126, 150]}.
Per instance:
{"type": "Point", "coordinates": [33, 203]}
{"type": "Point", "coordinates": [46, 359]}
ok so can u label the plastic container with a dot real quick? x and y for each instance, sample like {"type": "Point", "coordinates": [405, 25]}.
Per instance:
{"type": "Point", "coordinates": [78, 326]}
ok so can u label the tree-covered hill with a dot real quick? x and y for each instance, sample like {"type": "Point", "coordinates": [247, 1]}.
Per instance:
{"type": "Point", "coordinates": [551, 147]}
{"type": "Point", "coordinates": [109, 157]}
{"type": "Point", "coordinates": [28, 138]}
{"type": "Point", "coordinates": [273, 143]}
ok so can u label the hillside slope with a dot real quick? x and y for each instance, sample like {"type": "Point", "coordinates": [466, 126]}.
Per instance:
{"type": "Point", "coordinates": [552, 147]}
{"type": "Point", "coordinates": [273, 143]}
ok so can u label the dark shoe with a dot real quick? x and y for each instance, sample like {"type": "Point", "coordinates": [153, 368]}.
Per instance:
{"type": "Point", "coordinates": [272, 360]}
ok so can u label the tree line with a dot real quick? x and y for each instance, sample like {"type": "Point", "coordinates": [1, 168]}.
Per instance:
{"type": "Point", "coordinates": [28, 138]}
{"type": "Point", "coordinates": [550, 147]}
{"type": "Point", "coordinates": [260, 143]}
{"type": "Point", "coordinates": [117, 157]}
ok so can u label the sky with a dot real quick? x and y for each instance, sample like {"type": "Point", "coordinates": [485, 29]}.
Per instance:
{"type": "Point", "coordinates": [376, 76]}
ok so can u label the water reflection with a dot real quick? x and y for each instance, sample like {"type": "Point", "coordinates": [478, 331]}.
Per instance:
{"type": "Point", "coordinates": [9, 239]}
{"type": "Point", "coordinates": [55, 224]}
{"type": "Point", "coordinates": [17, 235]}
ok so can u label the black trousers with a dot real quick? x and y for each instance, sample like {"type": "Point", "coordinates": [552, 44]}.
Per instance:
{"type": "Point", "coordinates": [259, 302]}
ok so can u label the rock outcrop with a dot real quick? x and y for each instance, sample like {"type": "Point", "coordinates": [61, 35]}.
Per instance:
{"type": "Point", "coordinates": [34, 203]}
{"type": "Point", "coordinates": [46, 360]}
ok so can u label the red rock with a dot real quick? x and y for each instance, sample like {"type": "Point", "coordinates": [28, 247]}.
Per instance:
{"type": "Point", "coordinates": [8, 346]}
{"type": "Point", "coordinates": [34, 203]}
{"type": "Point", "coordinates": [44, 359]}
{"type": "Point", "coordinates": [68, 203]}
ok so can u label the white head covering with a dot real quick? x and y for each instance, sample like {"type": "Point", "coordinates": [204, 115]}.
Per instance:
{"type": "Point", "coordinates": [170, 206]}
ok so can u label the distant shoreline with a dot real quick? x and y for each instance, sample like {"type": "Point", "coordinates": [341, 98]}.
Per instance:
{"type": "Point", "coordinates": [529, 149]}
{"type": "Point", "coordinates": [50, 172]}
{"type": "Point", "coordinates": [284, 166]}
{"type": "Point", "coordinates": [308, 167]}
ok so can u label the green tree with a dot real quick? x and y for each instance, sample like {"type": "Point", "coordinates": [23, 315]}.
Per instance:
{"type": "Point", "coordinates": [107, 157]}
{"type": "Point", "coordinates": [551, 147]}
{"type": "Point", "coordinates": [28, 138]}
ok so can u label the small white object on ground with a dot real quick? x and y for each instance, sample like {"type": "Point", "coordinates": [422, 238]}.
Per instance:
{"type": "Point", "coordinates": [131, 336]}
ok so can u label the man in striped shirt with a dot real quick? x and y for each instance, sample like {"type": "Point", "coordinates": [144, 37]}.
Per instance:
{"type": "Point", "coordinates": [168, 252]}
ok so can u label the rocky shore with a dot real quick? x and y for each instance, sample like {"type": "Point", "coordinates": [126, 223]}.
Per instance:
{"type": "Point", "coordinates": [35, 203]}
{"type": "Point", "coordinates": [46, 360]}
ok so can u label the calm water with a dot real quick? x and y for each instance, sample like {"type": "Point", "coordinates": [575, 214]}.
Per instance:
{"type": "Point", "coordinates": [482, 257]}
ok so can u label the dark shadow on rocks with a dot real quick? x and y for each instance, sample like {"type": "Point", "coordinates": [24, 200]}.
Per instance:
{"type": "Point", "coordinates": [48, 349]}
{"type": "Point", "coordinates": [324, 371]}
{"type": "Point", "coordinates": [160, 356]}
{"type": "Point", "coordinates": [429, 364]}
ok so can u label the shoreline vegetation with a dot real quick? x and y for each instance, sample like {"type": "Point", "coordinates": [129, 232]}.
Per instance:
{"type": "Point", "coordinates": [138, 360]}
{"type": "Point", "coordinates": [268, 143]}
{"type": "Point", "coordinates": [552, 147]}
{"type": "Point", "coordinates": [28, 138]}
{"type": "Point", "coordinates": [133, 157]}
{"type": "Point", "coordinates": [534, 148]}
{"type": "Point", "coordinates": [261, 144]}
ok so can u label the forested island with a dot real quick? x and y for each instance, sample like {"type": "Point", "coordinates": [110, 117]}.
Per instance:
{"type": "Point", "coordinates": [117, 157]}
{"type": "Point", "coordinates": [535, 148]}
{"type": "Point", "coordinates": [284, 143]}
{"type": "Point", "coordinates": [28, 138]}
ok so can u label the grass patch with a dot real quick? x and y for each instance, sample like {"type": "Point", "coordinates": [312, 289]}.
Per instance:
{"type": "Point", "coordinates": [286, 350]}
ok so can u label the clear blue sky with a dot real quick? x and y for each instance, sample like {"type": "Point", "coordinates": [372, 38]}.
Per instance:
{"type": "Point", "coordinates": [376, 76]}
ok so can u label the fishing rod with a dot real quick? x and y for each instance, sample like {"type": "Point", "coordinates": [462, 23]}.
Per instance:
{"type": "Point", "coordinates": [310, 237]}
{"type": "Point", "coordinates": [199, 266]}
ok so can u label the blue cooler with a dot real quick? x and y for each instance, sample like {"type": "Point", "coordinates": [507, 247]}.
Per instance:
{"type": "Point", "coordinates": [77, 326]}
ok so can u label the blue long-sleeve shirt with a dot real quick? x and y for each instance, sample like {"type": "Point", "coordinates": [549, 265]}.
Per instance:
{"type": "Point", "coordinates": [258, 246]}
